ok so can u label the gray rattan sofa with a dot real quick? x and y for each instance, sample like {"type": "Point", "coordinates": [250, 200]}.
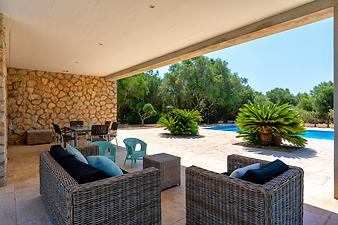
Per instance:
{"type": "Point", "coordinates": [213, 198]}
{"type": "Point", "coordinates": [133, 198]}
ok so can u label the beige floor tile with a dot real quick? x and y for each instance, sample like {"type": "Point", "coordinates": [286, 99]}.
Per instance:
{"type": "Point", "coordinates": [334, 216]}
{"type": "Point", "coordinates": [38, 221]}
{"type": "Point", "coordinates": [171, 213]}
{"type": "Point", "coordinates": [319, 212]}
{"type": "Point", "coordinates": [180, 222]}
{"type": "Point", "coordinates": [312, 218]}
{"type": "Point", "coordinates": [29, 208]}
{"type": "Point", "coordinates": [7, 209]}
{"type": "Point", "coordinates": [7, 190]}
{"type": "Point", "coordinates": [24, 206]}
{"type": "Point", "coordinates": [332, 222]}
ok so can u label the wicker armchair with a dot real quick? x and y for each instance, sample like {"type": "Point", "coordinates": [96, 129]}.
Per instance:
{"type": "Point", "coordinates": [213, 198]}
{"type": "Point", "coordinates": [134, 198]}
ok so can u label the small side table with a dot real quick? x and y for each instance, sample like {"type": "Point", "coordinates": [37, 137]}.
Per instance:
{"type": "Point", "coordinates": [169, 166]}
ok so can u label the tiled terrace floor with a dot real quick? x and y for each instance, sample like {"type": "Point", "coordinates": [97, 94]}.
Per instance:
{"type": "Point", "coordinates": [20, 202]}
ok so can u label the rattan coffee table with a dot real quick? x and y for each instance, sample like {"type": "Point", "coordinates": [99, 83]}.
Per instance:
{"type": "Point", "coordinates": [169, 166]}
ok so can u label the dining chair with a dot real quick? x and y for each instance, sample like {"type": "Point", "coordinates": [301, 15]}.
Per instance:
{"type": "Point", "coordinates": [113, 133]}
{"type": "Point", "coordinates": [63, 135]}
{"type": "Point", "coordinates": [99, 133]}
{"type": "Point", "coordinates": [104, 146]}
{"type": "Point", "coordinates": [132, 153]}
{"type": "Point", "coordinates": [76, 123]}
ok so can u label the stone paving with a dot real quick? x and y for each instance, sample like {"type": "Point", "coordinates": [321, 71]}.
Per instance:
{"type": "Point", "coordinates": [20, 201]}
{"type": "Point", "coordinates": [211, 149]}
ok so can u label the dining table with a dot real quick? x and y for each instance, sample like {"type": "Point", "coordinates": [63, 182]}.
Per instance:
{"type": "Point", "coordinates": [77, 130]}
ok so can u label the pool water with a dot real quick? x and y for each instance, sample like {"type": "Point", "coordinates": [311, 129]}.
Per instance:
{"type": "Point", "coordinates": [318, 134]}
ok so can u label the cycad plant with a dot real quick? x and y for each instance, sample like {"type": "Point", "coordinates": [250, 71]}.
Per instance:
{"type": "Point", "coordinates": [181, 121]}
{"type": "Point", "coordinates": [268, 124]}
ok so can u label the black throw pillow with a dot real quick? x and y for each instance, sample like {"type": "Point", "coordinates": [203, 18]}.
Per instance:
{"type": "Point", "coordinates": [59, 153]}
{"type": "Point", "coordinates": [265, 173]}
{"type": "Point", "coordinates": [82, 172]}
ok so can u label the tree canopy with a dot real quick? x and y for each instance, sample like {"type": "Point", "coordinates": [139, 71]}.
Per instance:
{"type": "Point", "coordinates": [206, 85]}
{"type": "Point", "coordinates": [282, 96]}
{"type": "Point", "coordinates": [210, 87]}
{"type": "Point", "coordinates": [306, 101]}
{"type": "Point", "coordinates": [134, 92]}
{"type": "Point", "coordinates": [323, 97]}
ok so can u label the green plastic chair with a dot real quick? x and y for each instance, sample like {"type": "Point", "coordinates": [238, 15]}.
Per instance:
{"type": "Point", "coordinates": [103, 146]}
{"type": "Point", "coordinates": [132, 153]}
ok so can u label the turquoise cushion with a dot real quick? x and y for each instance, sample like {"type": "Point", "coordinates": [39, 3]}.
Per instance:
{"type": "Point", "coordinates": [78, 155]}
{"type": "Point", "coordinates": [105, 164]}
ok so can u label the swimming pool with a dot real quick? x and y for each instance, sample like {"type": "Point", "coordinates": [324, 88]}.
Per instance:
{"type": "Point", "coordinates": [318, 134]}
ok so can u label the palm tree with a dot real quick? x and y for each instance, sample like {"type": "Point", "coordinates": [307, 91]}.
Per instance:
{"type": "Point", "coordinates": [270, 123]}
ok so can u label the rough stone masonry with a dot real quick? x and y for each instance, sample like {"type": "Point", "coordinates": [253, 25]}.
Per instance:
{"type": "Point", "coordinates": [37, 98]}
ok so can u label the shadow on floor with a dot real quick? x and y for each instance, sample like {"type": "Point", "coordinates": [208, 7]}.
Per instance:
{"type": "Point", "coordinates": [167, 135]}
{"type": "Point", "coordinates": [318, 216]}
{"type": "Point", "coordinates": [302, 153]}
{"type": "Point", "coordinates": [20, 201]}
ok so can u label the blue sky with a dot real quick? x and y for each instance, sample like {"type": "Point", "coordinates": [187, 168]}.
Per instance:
{"type": "Point", "coordinates": [297, 59]}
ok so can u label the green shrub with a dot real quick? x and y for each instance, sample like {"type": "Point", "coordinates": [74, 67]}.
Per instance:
{"type": "Point", "coordinates": [152, 120]}
{"type": "Point", "coordinates": [181, 122]}
{"type": "Point", "coordinates": [133, 118]}
{"type": "Point", "coordinates": [270, 123]}
{"type": "Point", "coordinates": [331, 115]}
{"type": "Point", "coordinates": [309, 116]}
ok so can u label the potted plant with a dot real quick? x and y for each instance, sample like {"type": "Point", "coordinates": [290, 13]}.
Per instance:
{"type": "Point", "coordinates": [270, 123]}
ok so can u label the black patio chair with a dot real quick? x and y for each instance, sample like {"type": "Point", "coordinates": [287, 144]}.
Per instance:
{"type": "Point", "coordinates": [63, 135]}
{"type": "Point", "coordinates": [76, 123]}
{"type": "Point", "coordinates": [113, 133]}
{"type": "Point", "coordinates": [99, 133]}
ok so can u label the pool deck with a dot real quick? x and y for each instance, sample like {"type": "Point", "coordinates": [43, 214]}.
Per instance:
{"type": "Point", "coordinates": [322, 129]}
{"type": "Point", "coordinates": [211, 149]}
{"type": "Point", "coordinates": [20, 201]}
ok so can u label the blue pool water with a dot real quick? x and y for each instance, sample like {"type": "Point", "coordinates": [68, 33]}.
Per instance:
{"type": "Point", "coordinates": [319, 134]}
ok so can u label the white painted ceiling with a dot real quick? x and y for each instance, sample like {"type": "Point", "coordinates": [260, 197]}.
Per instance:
{"type": "Point", "coordinates": [60, 35]}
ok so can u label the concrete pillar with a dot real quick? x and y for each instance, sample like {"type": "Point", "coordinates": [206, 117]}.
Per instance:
{"type": "Point", "coordinates": [3, 103]}
{"type": "Point", "coordinates": [335, 79]}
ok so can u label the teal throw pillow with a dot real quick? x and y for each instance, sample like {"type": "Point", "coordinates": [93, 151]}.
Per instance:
{"type": "Point", "coordinates": [105, 164]}
{"type": "Point", "coordinates": [78, 155]}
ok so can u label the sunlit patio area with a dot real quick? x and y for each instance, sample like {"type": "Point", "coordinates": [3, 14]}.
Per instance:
{"type": "Point", "coordinates": [209, 151]}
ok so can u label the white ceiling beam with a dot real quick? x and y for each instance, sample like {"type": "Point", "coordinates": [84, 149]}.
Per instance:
{"type": "Point", "coordinates": [299, 16]}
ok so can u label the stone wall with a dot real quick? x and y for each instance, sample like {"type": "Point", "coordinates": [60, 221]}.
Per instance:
{"type": "Point", "coordinates": [3, 111]}
{"type": "Point", "coordinates": [37, 98]}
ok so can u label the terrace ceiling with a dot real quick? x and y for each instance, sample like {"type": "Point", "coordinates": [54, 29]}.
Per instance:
{"type": "Point", "coordinates": [102, 37]}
